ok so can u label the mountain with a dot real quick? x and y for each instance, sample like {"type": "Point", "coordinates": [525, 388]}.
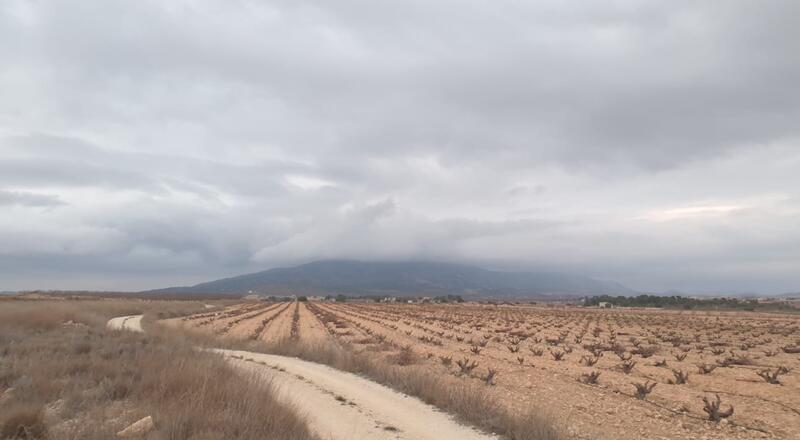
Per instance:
{"type": "Point", "coordinates": [405, 278]}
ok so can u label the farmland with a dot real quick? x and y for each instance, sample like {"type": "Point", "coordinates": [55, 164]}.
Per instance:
{"type": "Point", "coordinates": [618, 373]}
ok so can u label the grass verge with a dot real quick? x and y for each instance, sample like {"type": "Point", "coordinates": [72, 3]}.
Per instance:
{"type": "Point", "coordinates": [64, 375]}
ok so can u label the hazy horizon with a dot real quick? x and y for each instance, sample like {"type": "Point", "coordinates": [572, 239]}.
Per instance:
{"type": "Point", "coordinates": [146, 144]}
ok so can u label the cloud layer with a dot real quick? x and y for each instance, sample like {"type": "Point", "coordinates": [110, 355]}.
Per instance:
{"type": "Point", "coordinates": [145, 144]}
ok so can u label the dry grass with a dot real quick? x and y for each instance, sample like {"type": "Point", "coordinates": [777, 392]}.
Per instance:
{"type": "Point", "coordinates": [24, 421]}
{"type": "Point", "coordinates": [64, 375]}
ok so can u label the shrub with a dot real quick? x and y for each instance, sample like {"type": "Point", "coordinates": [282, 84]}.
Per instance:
{"type": "Point", "coordinates": [490, 375]}
{"type": "Point", "coordinates": [627, 366]}
{"type": "Point", "coordinates": [446, 360]}
{"type": "Point", "coordinates": [590, 378]}
{"type": "Point", "coordinates": [557, 354]}
{"type": "Point", "coordinates": [770, 376]}
{"type": "Point", "coordinates": [712, 408]}
{"type": "Point", "coordinates": [466, 366]}
{"type": "Point", "coordinates": [643, 389]}
{"type": "Point", "coordinates": [681, 377]}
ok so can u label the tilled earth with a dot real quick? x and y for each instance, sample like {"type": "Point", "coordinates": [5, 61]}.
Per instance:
{"type": "Point", "coordinates": [543, 356]}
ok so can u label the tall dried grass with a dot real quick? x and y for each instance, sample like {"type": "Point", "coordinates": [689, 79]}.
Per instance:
{"type": "Point", "coordinates": [64, 375]}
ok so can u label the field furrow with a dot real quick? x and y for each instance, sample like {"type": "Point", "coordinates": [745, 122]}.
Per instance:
{"type": "Point", "coordinates": [612, 373]}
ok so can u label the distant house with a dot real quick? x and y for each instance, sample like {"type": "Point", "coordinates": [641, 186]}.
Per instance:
{"type": "Point", "coordinates": [605, 305]}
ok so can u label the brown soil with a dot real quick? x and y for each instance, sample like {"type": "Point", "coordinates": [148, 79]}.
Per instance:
{"type": "Point", "coordinates": [739, 344]}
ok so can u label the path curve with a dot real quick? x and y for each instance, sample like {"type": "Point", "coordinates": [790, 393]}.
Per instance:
{"type": "Point", "coordinates": [340, 405]}
{"type": "Point", "coordinates": [132, 322]}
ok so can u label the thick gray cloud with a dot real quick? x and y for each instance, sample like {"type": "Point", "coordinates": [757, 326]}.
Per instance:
{"type": "Point", "coordinates": [21, 198]}
{"type": "Point", "coordinates": [151, 143]}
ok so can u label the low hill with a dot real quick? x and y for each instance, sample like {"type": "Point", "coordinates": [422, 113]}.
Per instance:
{"type": "Point", "coordinates": [405, 278]}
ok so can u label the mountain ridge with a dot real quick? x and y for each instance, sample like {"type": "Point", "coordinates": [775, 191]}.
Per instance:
{"type": "Point", "coordinates": [404, 279]}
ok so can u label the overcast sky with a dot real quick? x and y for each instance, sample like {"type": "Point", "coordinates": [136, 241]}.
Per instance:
{"type": "Point", "coordinates": [153, 143]}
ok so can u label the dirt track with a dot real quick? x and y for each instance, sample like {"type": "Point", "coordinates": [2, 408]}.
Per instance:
{"type": "Point", "coordinates": [339, 405]}
{"type": "Point", "coordinates": [133, 322]}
